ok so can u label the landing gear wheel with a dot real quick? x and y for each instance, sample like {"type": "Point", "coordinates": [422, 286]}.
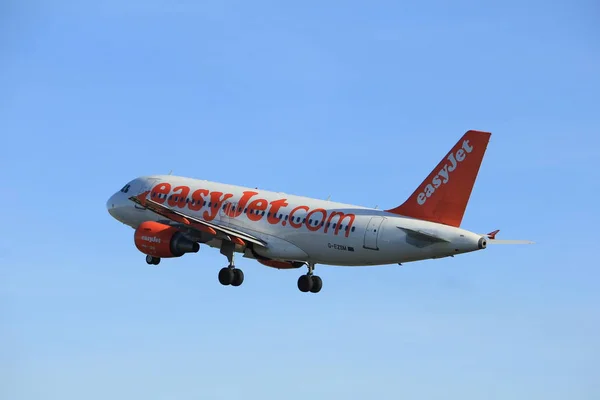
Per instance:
{"type": "Point", "coordinates": [238, 277]}
{"type": "Point", "coordinates": [317, 284]}
{"type": "Point", "coordinates": [305, 283]}
{"type": "Point", "coordinates": [152, 260]}
{"type": "Point", "coordinates": [226, 276]}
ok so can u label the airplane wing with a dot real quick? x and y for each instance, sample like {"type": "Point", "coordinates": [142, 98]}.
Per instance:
{"type": "Point", "coordinates": [231, 234]}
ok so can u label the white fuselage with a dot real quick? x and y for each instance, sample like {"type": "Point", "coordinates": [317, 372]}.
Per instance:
{"type": "Point", "coordinates": [295, 227]}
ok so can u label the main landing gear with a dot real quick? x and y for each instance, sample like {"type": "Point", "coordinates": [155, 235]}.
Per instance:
{"type": "Point", "coordinates": [309, 282]}
{"type": "Point", "coordinates": [230, 275]}
{"type": "Point", "coordinates": [152, 260]}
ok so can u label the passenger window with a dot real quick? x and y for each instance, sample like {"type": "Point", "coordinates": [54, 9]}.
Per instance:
{"type": "Point", "coordinates": [209, 204]}
{"type": "Point", "coordinates": [286, 217]}
{"type": "Point", "coordinates": [353, 228]}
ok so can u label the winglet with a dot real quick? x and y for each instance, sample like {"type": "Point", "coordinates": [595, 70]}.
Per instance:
{"type": "Point", "coordinates": [492, 235]}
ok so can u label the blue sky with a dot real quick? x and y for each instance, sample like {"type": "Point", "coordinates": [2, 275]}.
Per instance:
{"type": "Point", "coordinates": [357, 100]}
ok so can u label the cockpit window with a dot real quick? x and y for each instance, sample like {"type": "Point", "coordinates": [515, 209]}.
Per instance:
{"type": "Point", "coordinates": [126, 188]}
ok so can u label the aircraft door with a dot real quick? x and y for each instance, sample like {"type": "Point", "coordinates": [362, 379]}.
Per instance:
{"type": "Point", "coordinates": [372, 233]}
{"type": "Point", "coordinates": [144, 186]}
{"type": "Point", "coordinates": [148, 184]}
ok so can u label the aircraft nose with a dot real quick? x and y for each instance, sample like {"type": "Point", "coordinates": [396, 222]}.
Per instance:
{"type": "Point", "coordinates": [112, 203]}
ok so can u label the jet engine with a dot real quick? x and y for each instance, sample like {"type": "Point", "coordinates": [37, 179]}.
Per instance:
{"type": "Point", "coordinates": [163, 241]}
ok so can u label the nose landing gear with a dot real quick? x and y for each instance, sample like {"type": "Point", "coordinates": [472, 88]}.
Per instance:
{"type": "Point", "coordinates": [152, 260]}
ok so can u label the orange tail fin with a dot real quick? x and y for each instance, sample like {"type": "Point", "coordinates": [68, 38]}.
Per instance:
{"type": "Point", "coordinates": [444, 194]}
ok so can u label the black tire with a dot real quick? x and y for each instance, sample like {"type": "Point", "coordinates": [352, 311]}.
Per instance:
{"type": "Point", "coordinates": [156, 261]}
{"type": "Point", "coordinates": [238, 277]}
{"type": "Point", "coordinates": [317, 284]}
{"type": "Point", "coordinates": [226, 276]}
{"type": "Point", "coordinates": [305, 283]}
{"type": "Point", "coordinates": [149, 260]}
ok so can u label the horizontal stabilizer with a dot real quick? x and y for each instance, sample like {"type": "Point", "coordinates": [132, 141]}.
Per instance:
{"type": "Point", "coordinates": [423, 236]}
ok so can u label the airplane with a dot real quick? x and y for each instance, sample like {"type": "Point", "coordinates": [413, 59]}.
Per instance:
{"type": "Point", "coordinates": [173, 215]}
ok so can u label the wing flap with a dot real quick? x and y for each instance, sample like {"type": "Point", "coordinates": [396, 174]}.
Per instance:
{"type": "Point", "coordinates": [230, 234]}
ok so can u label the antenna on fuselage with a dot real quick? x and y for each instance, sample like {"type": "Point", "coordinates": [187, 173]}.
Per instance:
{"type": "Point", "coordinates": [170, 172]}
{"type": "Point", "coordinates": [328, 197]}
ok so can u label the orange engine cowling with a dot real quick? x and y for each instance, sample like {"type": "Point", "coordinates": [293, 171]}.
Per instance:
{"type": "Point", "coordinates": [160, 240]}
